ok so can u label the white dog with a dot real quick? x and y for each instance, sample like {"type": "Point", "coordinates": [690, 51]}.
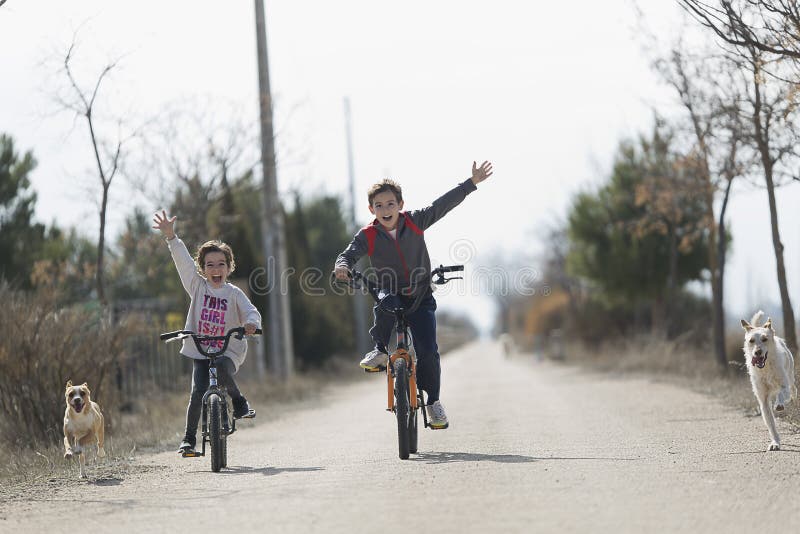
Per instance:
{"type": "Point", "coordinates": [771, 369]}
{"type": "Point", "coordinates": [83, 424]}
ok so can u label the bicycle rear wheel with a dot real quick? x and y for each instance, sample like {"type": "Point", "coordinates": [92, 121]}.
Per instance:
{"type": "Point", "coordinates": [402, 407]}
{"type": "Point", "coordinates": [412, 432]}
{"type": "Point", "coordinates": [215, 432]}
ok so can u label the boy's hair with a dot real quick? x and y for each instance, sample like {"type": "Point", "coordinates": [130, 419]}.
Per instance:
{"type": "Point", "coordinates": [214, 246]}
{"type": "Point", "coordinates": [387, 184]}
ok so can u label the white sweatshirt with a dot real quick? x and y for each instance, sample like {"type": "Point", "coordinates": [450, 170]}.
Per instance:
{"type": "Point", "coordinates": [212, 311]}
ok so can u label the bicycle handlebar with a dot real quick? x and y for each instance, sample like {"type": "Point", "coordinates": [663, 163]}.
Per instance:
{"type": "Point", "coordinates": [237, 332]}
{"type": "Point", "coordinates": [379, 295]}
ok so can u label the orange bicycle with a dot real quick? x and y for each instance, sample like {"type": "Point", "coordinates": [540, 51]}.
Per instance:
{"type": "Point", "coordinates": [404, 398]}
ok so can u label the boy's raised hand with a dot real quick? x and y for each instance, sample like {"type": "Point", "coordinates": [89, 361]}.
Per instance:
{"type": "Point", "coordinates": [165, 224]}
{"type": "Point", "coordinates": [481, 173]}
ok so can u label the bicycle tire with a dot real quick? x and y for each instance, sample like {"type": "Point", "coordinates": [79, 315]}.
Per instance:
{"type": "Point", "coordinates": [224, 446]}
{"type": "Point", "coordinates": [413, 434]}
{"type": "Point", "coordinates": [215, 431]}
{"type": "Point", "coordinates": [402, 407]}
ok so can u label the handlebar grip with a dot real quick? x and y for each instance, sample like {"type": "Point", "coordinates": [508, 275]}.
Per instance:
{"type": "Point", "coordinates": [451, 268]}
{"type": "Point", "coordinates": [258, 332]}
{"type": "Point", "coordinates": [170, 335]}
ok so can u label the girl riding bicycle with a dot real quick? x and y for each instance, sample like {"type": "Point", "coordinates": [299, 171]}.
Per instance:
{"type": "Point", "coordinates": [216, 307]}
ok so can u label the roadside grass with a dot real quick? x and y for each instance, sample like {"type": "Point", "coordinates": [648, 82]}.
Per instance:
{"type": "Point", "coordinates": [681, 363]}
{"type": "Point", "coordinates": [154, 424]}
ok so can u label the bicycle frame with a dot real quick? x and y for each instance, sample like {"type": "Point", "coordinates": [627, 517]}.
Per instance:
{"type": "Point", "coordinates": [402, 352]}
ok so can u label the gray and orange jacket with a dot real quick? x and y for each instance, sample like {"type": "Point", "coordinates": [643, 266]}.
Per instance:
{"type": "Point", "coordinates": [403, 264]}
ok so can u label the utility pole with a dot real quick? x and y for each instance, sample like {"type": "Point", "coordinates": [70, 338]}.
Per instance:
{"type": "Point", "coordinates": [278, 328]}
{"type": "Point", "coordinates": [360, 310]}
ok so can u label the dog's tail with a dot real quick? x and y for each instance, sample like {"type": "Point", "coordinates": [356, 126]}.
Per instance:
{"type": "Point", "coordinates": [757, 318]}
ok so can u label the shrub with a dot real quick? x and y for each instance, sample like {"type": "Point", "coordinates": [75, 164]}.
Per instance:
{"type": "Point", "coordinates": [43, 346]}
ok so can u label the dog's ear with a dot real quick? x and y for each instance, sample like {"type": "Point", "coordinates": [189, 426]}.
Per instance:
{"type": "Point", "coordinates": [69, 384]}
{"type": "Point", "coordinates": [768, 324]}
{"type": "Point", "coordinates": [747, 326]}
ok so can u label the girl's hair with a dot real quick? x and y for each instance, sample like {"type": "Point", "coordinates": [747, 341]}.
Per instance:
{"type": "Point", "coordinates": [214, 246]}
{"type": "Point", "coordinates": [384, 185]}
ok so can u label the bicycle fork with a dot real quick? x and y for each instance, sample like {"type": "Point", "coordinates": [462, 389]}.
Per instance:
{"type": "Point", "coordinates": [411, 369]}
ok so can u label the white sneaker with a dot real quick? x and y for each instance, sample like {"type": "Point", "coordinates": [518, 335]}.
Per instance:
{"type": "Point", "coordinates": [374, 359]}
{"type": "Point", "coordinates": [437, 419]}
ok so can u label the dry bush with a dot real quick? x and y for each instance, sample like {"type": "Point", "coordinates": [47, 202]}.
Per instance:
{"type": "Point", "coordinates": [647, 353]}
{"type": "Point", "coordinates": [43, 346]}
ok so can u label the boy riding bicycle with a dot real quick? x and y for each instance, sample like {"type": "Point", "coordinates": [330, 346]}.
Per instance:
{"type": "Point", "coordinates": [395, 244]}
{"type": "Point", "coordinates": [216, 307]}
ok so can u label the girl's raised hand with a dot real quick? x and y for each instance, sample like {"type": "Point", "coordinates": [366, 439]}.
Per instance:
{"type": "Point", "coordinates": [165, 224]}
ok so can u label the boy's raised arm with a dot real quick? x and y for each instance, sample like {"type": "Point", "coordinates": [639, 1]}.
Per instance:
{"type": "Point", "coordinates": [425, 217]}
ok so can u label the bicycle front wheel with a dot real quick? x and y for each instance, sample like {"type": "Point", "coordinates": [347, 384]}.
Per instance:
{"type": "Point", "coordinates": [215, 431]}
{"type": "Point", "coordinates": [402, 407]}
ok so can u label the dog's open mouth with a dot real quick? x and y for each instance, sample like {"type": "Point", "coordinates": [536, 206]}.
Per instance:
{"type": "Point", "coordinates": [759, 361]}
{"type": "Point", "coordinates": [78, 406]}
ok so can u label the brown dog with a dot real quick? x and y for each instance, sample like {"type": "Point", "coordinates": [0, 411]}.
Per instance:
{"type": "Point", "coordinates": [83, 424]}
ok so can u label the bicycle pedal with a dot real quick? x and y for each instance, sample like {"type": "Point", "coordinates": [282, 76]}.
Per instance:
{"type": "Point", "coordinates": [379, 369]}
{"type": "Point", "coordinates": [191, 453]}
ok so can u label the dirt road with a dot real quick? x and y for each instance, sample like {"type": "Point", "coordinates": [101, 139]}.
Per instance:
{"type": "Point", "coordinates": [531, 448]}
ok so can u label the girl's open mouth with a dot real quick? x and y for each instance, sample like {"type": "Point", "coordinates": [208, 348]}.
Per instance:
{"type": "Point", "coordinates": [216, 279]}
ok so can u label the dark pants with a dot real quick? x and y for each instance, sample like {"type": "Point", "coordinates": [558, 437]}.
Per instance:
{"type": "Point", "coordinates": [225, 371]}
{"type": "Point", "coordinates": [423, 331]}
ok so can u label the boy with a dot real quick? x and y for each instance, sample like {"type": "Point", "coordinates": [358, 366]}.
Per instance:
{"type": "Point", "coordinates": [396, 246]}
{"type": "Point", "coordinates": [216, 307]}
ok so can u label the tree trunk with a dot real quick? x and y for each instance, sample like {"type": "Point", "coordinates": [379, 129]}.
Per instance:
{"type": "Point", "coordinates": [718, 280]}
{"type": "Point", "coordinates": [788, 313]}
{"type": "Point", "coordinates": [657, 316]}
{"type": "Point", "coordinates": [672, 282]}
{"type": "Point", "coordinates": [762, 140]}
{"type": "Point", "coordinates": [101, 245]}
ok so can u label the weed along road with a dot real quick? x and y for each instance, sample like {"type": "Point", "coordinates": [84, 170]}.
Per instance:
{"type": "Point", "coordinates": [532, 447]}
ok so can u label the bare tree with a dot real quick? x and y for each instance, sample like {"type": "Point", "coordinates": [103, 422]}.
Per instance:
{"type": "Point", "coordinates": [770, 26]}
{"type": "Point", "coordinates": [194, 147]}
{"type": "Point", "coordinates": [82, 102]}
{"type": "Point", "coordinates": [774, 136]}
{"type": "Point", "coordinates": [702, 83]}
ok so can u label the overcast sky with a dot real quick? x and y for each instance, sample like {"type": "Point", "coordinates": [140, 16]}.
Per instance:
{"type": "Point", "coordinates": [544, 90]}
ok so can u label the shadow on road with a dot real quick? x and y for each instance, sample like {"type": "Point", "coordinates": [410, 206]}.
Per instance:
{"type": "Point", "coordinates": [784, 448]}
{"type": "Point", "coordinates": [448, 457]}
{"type": "Point", "coordinates": [267, 471]}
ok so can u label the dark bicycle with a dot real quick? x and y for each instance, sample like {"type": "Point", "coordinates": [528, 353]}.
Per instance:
{"type": "Point", "coordinates": [401, 372]}
{"type": "Point", "coordinates": [217, 424]}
